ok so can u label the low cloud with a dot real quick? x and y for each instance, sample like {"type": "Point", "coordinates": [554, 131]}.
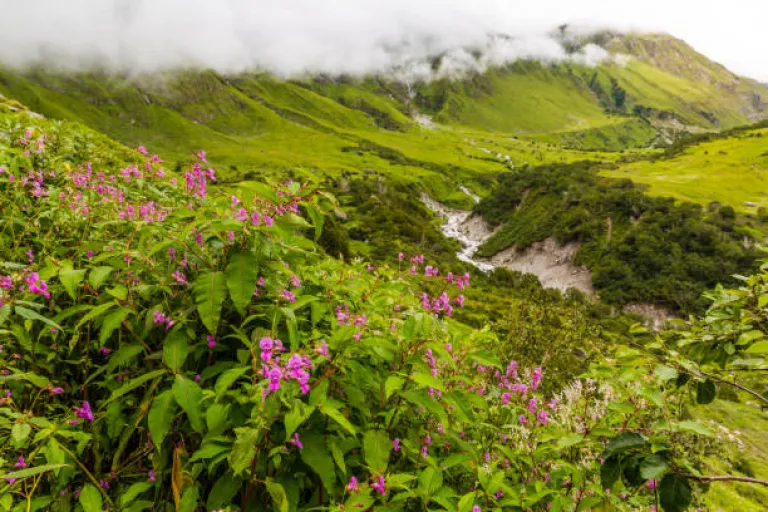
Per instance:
{"type": "Point", "coordinates": [288, 38]}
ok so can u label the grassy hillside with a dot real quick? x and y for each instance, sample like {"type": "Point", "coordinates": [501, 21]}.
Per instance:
{"type": "Point", "coordinates": [732, 170]}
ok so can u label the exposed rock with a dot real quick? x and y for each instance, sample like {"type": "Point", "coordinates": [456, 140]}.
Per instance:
{"type": "Point", "coordinates": [551, 262]}
{"type": "Point", "coordinates": [655, 316]}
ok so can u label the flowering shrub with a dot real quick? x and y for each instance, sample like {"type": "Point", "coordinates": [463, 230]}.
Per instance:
{"type": "Point", "coordinates": [168, 345]}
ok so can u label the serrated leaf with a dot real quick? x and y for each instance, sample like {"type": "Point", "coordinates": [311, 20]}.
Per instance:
{"type": "Point", "coordinates": [72, 279]}
{"type": "Point", "coordinates": [427, 380]}
{"type": "Point", "coordinates": [20, 432]}
{"type": "Point", "coordinates": [27, 472]}
{"type": "Point", "coordinates": [34, 315]}
{"type": "Point", "coordinates": [189, 396]}
{"type": "Point", "coordinates": [610, 471]}
{"type": "Point", "coordinates": [189, 499]}
{"type": "Point", "coordinates": [98, 275]}
{"type": "Point", "coordinates": [161, 416]}
{"type": "Point", "coordinates": [675, 493]}
{"type": "Point", "coordinates": [295, 417]}
{"type": "Point", "coordinates": [624, 442]}
{"type": "Point", "coordinates": [175, 350]}
{"type": "Point", "coordinates": [90, 499]}
{"type": "Point", "coordinates": [665, 373]}
{"type": "Point", "coordinates": [318, 457]}
{"type": "Point", "coordinates": [244, 449]}
{"type": "Point", "coordinates": [392, 384]}
{"type": "Point", "coordinates": [133, 384]}
{"type": "Point", "coordinates": [693, 427]}
{"type": "Point", "coordinates": [430, 481]}
{"type": "Point", "coordinates": [331, 409]}
{"type": "Point", "coordinates": [111, 322]}
{"type": "Point", "coordinates": [277, 493]}
{"type": "Point", "coordinates": [761, 347]}
{"type": "Point", "coordinates": [706, 392]}
{"type": "Point", "coordinates": [242, 272]}
{"type": "Point", "coordinates": [376, 450]}
{"type": "Point", "coordinates": [210, 291]}
{"type": "Point", "coordinates": [227, 378]}
{"type": "Point", "coordinates": [653, 466]}
{"type": "Point", "coordinates": [133, 492]}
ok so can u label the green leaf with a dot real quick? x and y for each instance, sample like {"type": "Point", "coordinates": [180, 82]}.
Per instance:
{"type": "Point", "coordinates": [244, 449]}
{"type": "Point", "coordinates": [467, 502]}
{"type": "Point", "coordinates": [189, 396]}
{"type": "Point", "coordinates": [675, 493]}
{"type": "Point", "coordinates": [119, 291]}
{"type": "Point", "coordinates": [317, 456]}
{"type": "Point", "coordinates": [189, 499]}
{"type": "Point", "coordinates": [569, 440]}
{"type": "Point", "coordinates": [428, 381]}
{"type": "Point", "coordinates": [430, 481]}
{"type": "Point", "coordinates": [133, 492]}
{"type": "Point", "coordinates": [331, 409]}
{"type": "Point", "coordinates": [694, 427]}
{"type": "Point", "coordinates": [624, 442]}
{"type": "Point", "coordinates": [133, 384]}
{"type": "Point", "coordinates": [223, 491]}
{"type": "Point", "coordinates": [376, 449]}
{"type": "Point", "coordinates": [210, 292]}
{"type": "Point", "coordinates": [28, 472]}
{"type": "Point", "coordinates": [175, 350]}
{"type": "Point", "coordinates": [123, 355]}
{"type": "Point", "coordinates": [610, 472]}
{"type": "Point", "coordinates": [161, 415]}
{"type": "Point", "coordinates": [98, 275]}
{"type": "Point", "coordinates": [748, 337]}
{"type": "Point", "coordinates": [277, 493]}
{"type": "Point", "coordinates": [34, 315]}
{"type": "Point", "coordinates": [227, 378]}
{"type": "Point", "coordinates": [295, 417]}
{"type": "Point", "coordinates": [20, 432]}
{"type": "Point", "coordinates": [761, 347]}
{"type": "Point", "coordinates": [392, 384]}
{"type": "Point", "coordinates": [5, 313]}
{"type": "Point", "coordinates": [242, 273]}
{"type": "Point", "coordinates": [90, 499]}
{"type": "Point", "coordinates": [338, 456]}
{"type": "Point", "coordinates": [653, 466]}
{"type": "Point", "coordinates": [111, 322]}
{"type": "Point", "coordinates": [71, 279]}
{"type": "Point", "coordinates": [706, 392]}
{"type": "Point", "coordinates": [665, 373]}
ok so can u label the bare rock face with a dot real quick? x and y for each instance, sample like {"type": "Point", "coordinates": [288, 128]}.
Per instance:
{"type": "Point", "coordinates": [655, 316]}
{"type": "Point", "coordinates": [551, 262]}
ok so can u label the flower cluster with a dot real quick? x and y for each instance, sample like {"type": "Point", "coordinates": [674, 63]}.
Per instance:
{"type": "Point", "coordinates": [296, 368]}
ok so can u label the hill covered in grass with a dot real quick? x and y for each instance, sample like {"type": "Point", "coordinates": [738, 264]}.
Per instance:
{"type": "Point", "coordinates": [731, 169]}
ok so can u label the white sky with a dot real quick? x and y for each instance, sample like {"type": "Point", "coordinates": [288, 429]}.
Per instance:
{"type": "Point", "coordinates": [355, 36]}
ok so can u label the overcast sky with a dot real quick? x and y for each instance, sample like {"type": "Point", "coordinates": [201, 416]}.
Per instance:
{"type": "Point", "coordinates": [357, 36]}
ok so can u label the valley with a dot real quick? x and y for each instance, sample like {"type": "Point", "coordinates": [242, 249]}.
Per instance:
{"type": "Point", "coordinates": [537, 285]}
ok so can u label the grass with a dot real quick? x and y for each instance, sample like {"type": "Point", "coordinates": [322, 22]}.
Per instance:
{"type": "Point", "coordinates": [732, 171]}
{"type": "Point", "coordinates": [749, 424]}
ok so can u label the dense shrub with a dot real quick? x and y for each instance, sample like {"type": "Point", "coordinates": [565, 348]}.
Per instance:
{"type": "Point", "coordinates": [170, 347]}
{"type": "Point", "coordinates": [639, 248]}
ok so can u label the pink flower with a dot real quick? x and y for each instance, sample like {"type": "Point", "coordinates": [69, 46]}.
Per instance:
{"type": "Point", "coordinates": [651, 484]}
{"type": "Point", "coordinates": [84, 412]}
{"type": "Point", "coordinates": [255, 220]}
{"type": "Point", "coordinates": [268, 221]}
{"type": "Point", "coordinates": [352, 486]}
{"type": "Point", "coordinates": [522, 419]}
{"type": "Point", "coordinates": [296, 441]}
{"type": "Point", "coordinates": [56, 391]}
{"type": "Point", "coordinates": [379, 485]}
{"type": "Point", "coordinates": [322, 349]}
{"type": "Point", "coordinates": [476, 508]}
{"type": "Point", "coordinates": [21, 462]}
{"type": "Point", "coordinates": [505, 398]}
{"type": "Point", "coordinates": [151, 476]}
{"type": "Point", "coordinates": [532, 406]}
{"type": "Point", "coordinates": [396, 444]}
{"type": "Point", "coordinates": [211, 340]}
